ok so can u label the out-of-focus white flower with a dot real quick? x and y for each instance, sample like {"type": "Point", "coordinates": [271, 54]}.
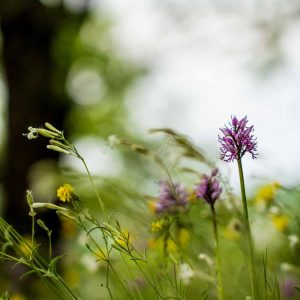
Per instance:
{"type": "Point", "coordinates": [89, 262]}
{"type": "Point", "coordinates": [285, 267]}
{"type": "Point", "coordinates": [274, 210]}
{"type": "Point", "coordinates": [82, 239]}
{"type": "Point", "coordinates": [113, 140]}
{"type": "Point", "coordinates": [293, 239]}
{"type": "Point", "coordinates": [206, 258]}
{"type": "Point", "coordinates": [32, 134]}
{"type": "Point", "coordinates": [248, 298]}
{"type": "Point", "coordinates": [186, 273]}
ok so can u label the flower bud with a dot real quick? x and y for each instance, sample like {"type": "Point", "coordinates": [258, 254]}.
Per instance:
{"type": "Point", "coordinates": [58, 149]}
{"type": "Point", "coordinates": [52, 128]}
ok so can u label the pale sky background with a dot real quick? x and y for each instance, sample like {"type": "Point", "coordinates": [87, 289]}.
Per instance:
{"type": "Point", "coordinates": [208, 60]}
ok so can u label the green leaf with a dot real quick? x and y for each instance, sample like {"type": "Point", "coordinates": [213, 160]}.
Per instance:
{"type": "Point", "coordinates": [53, 263]}
{"type": "Point", "coordinates": [27, 273]}
{"type": "Point", "coordinates": [5, 246]}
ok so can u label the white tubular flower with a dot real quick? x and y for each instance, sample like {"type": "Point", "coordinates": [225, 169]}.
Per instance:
{"type": "Point", "coordinates": [113, 140]}
{"type": "Point", "coordinates": [32, 134]}
{"type": "Point", "coordinates": [206, 258]}
{"type": "Point", "coordinates": [294, 240]}
{"type": "Point", "coordinates": [186, 273]}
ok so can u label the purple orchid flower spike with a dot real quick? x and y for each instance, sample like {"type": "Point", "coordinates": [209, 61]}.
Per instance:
{"type": "Point", "coordinates": [209, 188]}
{"type": "Point", "coordinates": [237, 140]}
{"type": "Point", "coordinates": [171, 198]}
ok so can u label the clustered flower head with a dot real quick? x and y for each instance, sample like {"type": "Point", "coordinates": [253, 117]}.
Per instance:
{"type": "Point", "coordinates": [172, 197]}
{"type": "Point", "coordinates": [237, 139]}
{"type": "Point", "coordinates": [158, 225]}
{"type": "Point", "coordinates": [209, 188]}
{"type": "Point", "coordinates": [57, 140]}
{"type": "Point", "coordinates": [65, 193]}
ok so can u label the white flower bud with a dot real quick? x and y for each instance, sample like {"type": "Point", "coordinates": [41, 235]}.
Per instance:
{"type": "Point", "coordinates": [52, 128]}
{"type": "Point", "coordinates": [58, 149]}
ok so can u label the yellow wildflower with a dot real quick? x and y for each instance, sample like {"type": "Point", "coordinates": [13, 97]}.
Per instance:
{"type": "Point", "coordinates": [266, 193]}
{"type": "Point", "coordinates": [280, 222]}
{"type": "Point", "coordinates": [102, 255]}
{"type": "Point", "coordinates": [183, 236]}
{"type": "Point", "coordinates": [123, 239]}
{"type": "Point", "coordinates": [171, 246]}
{"type": "Point", "coordinates": [64, 193]}
{"type": "Point", "coordinates": [157, 226]}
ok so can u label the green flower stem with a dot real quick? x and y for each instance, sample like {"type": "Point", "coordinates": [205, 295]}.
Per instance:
{"type": "Point", "coordinates": [50, 245]}
{"type": "Point", "coordinates": [94, 186]}
{"type": "Point", "coordinates": [248, 230]}
{"type": "Point", "coordinates": [218, 256]}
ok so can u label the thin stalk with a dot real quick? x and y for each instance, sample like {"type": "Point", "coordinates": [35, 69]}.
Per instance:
{"type": "Point", "coordinates": [148, 280]}
{"type": "Point", "coordinates": [132, 278]}
{"type": "Point", "coordinates": [50, 245]}
{"type": "Point", "coordinates": [107, 282]}
{"type": "Point", "coordinates": [175, 278]}
{"type": "Point", "coordinates": [218, 256]}
{"type": "Point", "coordinates": [248, 230]}
{"type": "Point", "coordinates": [94, 186]}
{"type": "Point", "coordinates": [32, 230]}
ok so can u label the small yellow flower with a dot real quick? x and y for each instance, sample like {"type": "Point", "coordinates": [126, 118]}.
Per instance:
{"type": "Point", "coordinates": [183, 236]}
{"type": "Point", "coordinates": [157, 226]}
{"type": "Point", "coordinates": [64, 193]}
{"type": "Point", "coordinates": [280, 222]}
{"type": "Point", "coordinates": [102, 255]}
{"type": "Point", "coordinates": [123, 239]}
{"type": "Point", "coordinates": [267, 192]}
{"type": "Point", "coordinates": [171, 246]}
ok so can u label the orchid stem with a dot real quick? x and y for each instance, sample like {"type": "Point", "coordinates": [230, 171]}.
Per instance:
{"type": "Point", "coordinates": [218, 256]}
{"type": "Point", "coordinates": [248, 230]}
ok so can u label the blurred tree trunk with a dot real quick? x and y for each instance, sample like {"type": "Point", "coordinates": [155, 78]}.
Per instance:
{"type": "Point", "coordinates": [29, 30]}
{"type": "Point", "coordinates": [36, 94]}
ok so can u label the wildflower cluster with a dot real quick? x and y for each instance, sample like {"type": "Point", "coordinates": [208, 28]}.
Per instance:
{"type": "Point", "coordinates": [170, 265]}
